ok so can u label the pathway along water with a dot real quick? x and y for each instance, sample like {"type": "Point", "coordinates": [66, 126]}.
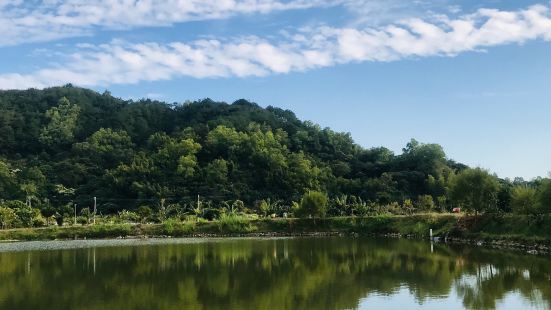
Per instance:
{"type": "Point", "coordinates": [277, 273]}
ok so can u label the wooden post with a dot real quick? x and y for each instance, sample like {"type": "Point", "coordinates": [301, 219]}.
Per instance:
{"type": "Point", "coordinates": [75, 222]}
{"type": "Point", "coordinates": [95, 209]}
{"type": "Point", "coordinates": [430, 233]}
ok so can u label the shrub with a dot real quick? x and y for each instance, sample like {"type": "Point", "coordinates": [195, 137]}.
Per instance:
{"type": "Point", "coordinates": [175, 227]}
{"type": "Point", "coordinates": [82, 220]}
{"type": "Point", "coordinates": [8, 218]}
{"type": "Point", "coordinates": [313, 204]}
{"type": "Point", "coordinates": [129, 216]}
{"type": "Point", "coordinates": [425, 202]}
{"type": "Point", "coordinates": [235, 224]}
{"type": "Point", "coordinates": [144, 212]}
{"type": "Point", "coordinates": [27, 215]}
{"type": "Point", "coordinates": [39, 221]}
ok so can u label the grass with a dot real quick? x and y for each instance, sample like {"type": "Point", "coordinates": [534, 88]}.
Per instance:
{"type": "Point", "coordinates": [489, 227]}
{"type": "Point", "coordinates": [230, 223]}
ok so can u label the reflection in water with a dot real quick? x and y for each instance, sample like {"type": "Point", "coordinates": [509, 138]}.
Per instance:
{"type": "Point", "coordinates": [307, 273]}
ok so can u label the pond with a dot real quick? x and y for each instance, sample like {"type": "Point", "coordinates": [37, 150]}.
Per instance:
{"type": "Point", "coordinates": [280, 273]}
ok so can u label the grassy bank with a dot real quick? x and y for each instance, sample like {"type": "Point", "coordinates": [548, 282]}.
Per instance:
{"type": "Point", "coordinates": [514, 228]}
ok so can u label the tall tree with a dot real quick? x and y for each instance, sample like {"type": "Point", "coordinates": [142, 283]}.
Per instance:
{"type": "Point", "coordinates": [544, 197]}
{"type": "Point", "coordinates": [60, 129]}
{"type": "Point", "coordinates": [475, 190]}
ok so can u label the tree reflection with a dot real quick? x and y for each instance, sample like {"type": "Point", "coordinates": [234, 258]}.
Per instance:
{"type": "Point", "coordinates": [310, 273]}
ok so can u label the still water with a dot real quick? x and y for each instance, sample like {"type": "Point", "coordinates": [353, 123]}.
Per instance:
{"type": "Point", "coordinates": [286, 273]}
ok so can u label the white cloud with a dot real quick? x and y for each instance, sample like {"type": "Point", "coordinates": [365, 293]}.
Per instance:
{"type": "Point", "coordinates": [125, 63]}
{"type": "Point", "coordinates": [47, 20]}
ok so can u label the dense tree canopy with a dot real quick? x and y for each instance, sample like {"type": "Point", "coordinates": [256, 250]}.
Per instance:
{"type": "Point", "coordinates": [476, 190]}
{"type": "Point", "coordinates": [135, 153]}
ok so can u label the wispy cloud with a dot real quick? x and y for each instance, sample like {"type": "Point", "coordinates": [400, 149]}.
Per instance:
{"type": "Point", "coordinates": [125, 63]}
{"type": "Point", "coordinates": [47, 20]}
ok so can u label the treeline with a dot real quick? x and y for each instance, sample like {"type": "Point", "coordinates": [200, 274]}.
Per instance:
{"type": "Point", "coordinates": [65, 145]}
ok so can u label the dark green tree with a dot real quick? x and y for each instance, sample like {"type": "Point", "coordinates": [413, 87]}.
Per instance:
{"type": "Point", "coordinates": [475, 190]}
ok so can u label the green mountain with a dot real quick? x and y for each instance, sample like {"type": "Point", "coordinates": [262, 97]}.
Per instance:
{"type": "Point", "coordinates": [66, 143]}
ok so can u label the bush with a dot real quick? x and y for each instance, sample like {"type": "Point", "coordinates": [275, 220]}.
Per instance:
{"type": "Point", "coordinates": [39, 221]}
{"type": "Point", "coordinates": [82, 220]}
{"type": "Point", "coordinates": [235, 224]}
{"type": "Point", "coordinates": [313, 204]}
{"type": "Point", "coordinates": [129, 216]}
{"type": "Point", "coordinates": [175, 227]}
{"type": "Point", "coordinates": [144, 212]}
{"type": "Point", "coordinates": [8, 218]}
{"type": "Point", "coordinates": [27, 215]}
{"type": "Point", "coordinates": [211, 214]}
{"type": "Point", "coordinates": [425, 202]}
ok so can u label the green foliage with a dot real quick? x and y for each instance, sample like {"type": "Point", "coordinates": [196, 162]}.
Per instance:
{"type": "Point", "coordinates": [8, 218]}
{"type": "Point", "coordinates": [231, 223]}
{"type": "Point", "coordinates": [475, 190]}
{"type": "Point", "coordinates": [408, 206]}
{"type": "Point", "coordinates": [107, 147]}
{"type": "Point", "coordinates": [27, 215]}
{"type": "Point", "coordinates": [8, 180]}
{"type": "Point", "coordinates": [267, 206]}
{"type": "Point", "coordinates": [313, 204]}
{"type": "Point", "coordinates": [425, 202]}
{"type": "Point", "coordinates": [523, 200]}
{"type": "Point", "coordinates": [175, 227]}
{"type": "Point", "coordinates": [129, 216]}
{"type": "Point", "coordinates": [544, 197]}
{"type": "Point", "coordinates": [62, 124]}
{"type": "Point", "coordinates": [128, 153]}
{"type": "Point", "coordinates": [144, 212]}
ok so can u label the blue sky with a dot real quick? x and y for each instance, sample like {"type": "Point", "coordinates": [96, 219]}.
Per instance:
{"type": "Point", "coordinates": [473, 76]}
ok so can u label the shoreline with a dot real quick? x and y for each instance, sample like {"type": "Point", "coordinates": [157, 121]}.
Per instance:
{"type": "Point", "coordinates": [529, 248]}
{"type": "Point", "coordinates": [488, 231]}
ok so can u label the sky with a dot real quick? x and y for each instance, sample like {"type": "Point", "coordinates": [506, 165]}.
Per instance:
{"type": "Point", "coordinates": [473, 76]}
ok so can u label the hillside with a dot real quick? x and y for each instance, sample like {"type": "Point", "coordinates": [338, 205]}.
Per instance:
{"type": "Point", "coordinates": [66, 143]}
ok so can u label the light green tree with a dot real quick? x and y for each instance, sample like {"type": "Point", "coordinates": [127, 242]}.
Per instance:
{"type": "Point", "coordinates": [425, 202]}
{"type": "Point", "coordinates": [8, 218]}
{"type": "Point", "coordinates": [314, 204]}
{"type": "Point", "coordinates": [60, 129]}
{"type": "Point", "coordinates": [523, 200]}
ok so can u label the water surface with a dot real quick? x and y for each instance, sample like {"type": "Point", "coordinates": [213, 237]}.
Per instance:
{"type": "Point", "coordinates": [282, 273]}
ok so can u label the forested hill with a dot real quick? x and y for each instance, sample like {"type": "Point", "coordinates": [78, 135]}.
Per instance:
{"type": "Point", "coordinates": [127, 153]}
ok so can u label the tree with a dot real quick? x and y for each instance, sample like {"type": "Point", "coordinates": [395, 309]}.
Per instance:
{"type": "Point", "coordinates": [523, 200]}
{"type": "Point", "coordinates": [408, 206]}
{"type": "Point", "coordinates": [544, 197]}
{"type": "Point", "coordinates": [8, 218]}
{"type": "Point", "coordinates": [442, 202]}
{"type": "Point", "coordinates": [313, 204]}
{"type": "Point", "coordinates": [107, 147]}
{"type": "Point", "coordinates": [145, 212]}
{"type": "Point", "coordinates": [8, 180]}
{"type": "Point", "coordinates": [26, 215]}
{"type": "Point", "coordinates": [426, 158]}
{"type": "Point", "coordinates": [62, 124]}
{"type": "Point", "coordinates": [264, 208]}
{"type": "Point", "coordinates": [217, 172]}
{"type": "Point", "coordinates": [475, 190]}
{"type": "Point", "coordinates": [132, 151]}
{"type": "Point", "coordinates": [425, 202]}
